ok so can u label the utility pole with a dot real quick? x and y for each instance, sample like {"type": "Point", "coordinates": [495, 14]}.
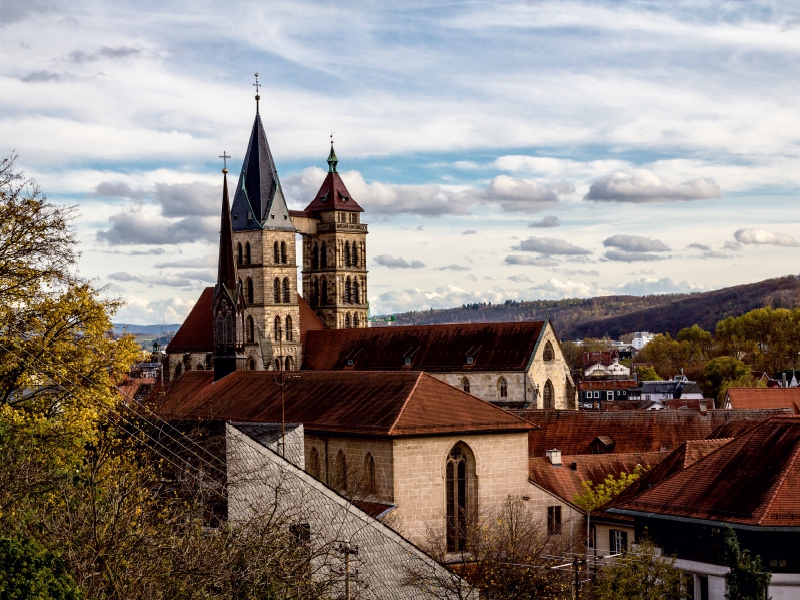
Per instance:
{"type": "Point", "coordinates": [281, 384]}
{"type": "Point", "coordinates": [346, 549]}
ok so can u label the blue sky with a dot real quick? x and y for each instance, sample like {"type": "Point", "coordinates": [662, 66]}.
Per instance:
{"type": "Point", "coordinates": [501, 150]}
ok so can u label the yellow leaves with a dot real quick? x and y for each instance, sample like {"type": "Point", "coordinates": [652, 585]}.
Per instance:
{"type": "Point", "coordinates": [594, 496]}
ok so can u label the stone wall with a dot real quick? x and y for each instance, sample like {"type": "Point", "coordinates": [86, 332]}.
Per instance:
{"type": "Point", "coordinates": [556, 371]}
{"type": "Point", "coordinates": [486, 385]}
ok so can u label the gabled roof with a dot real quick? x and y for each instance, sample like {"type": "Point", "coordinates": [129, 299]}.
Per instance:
{"type": "Point", "coordinates": [752, 480]}
{"type": "Point", "coordinates": [333, 194]}
{"type": "Point", "coordinates": [259, 189]}
{"type": "Point", "coordinates": [750, 398]}
{"type": "Point", "coordinates": [197, 332]}
{"type": "Point", "coordinates": [375, 403]}
{"type": "Point", "coordinates": [573, 431]}
{"type": "Point", "coordinates": [606, 384]}
{"type": "Point", "coordinates": [434, 348]}
{"type": "Point", "coordinates": [308, 320]}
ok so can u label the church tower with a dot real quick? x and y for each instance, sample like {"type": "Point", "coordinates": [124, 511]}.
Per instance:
{"type": "Point", "coordinates": [335, 256]}
{"type": "Point", "coordinates": [264, 245]}
{"type": "Point", "coordinates": [228, 301]}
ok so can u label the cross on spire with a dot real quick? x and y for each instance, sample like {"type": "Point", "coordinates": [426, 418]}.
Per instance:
{"type": "Point", "coordinates": [257, 85]}
{"type": "Point", "coordinates": [224, 158]}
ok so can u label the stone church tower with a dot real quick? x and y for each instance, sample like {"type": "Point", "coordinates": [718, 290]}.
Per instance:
{"type": "Point", "coordinates": [335, 255]}
{"type": "Point", "coordinates": [264, 245]}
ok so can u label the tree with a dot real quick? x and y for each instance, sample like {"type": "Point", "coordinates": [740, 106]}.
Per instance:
{"type": "Point", "coordinates": [641, 574]}
{"type": "Point", "coordinates": [594, 496]}
{"type": "Point", "coordinates": [747, 579]}
{"type": "Point", "coordinates": [645, 373]}
{"type": "Point", "coordinates": [720, 372]}
{"type": "Point", "coordinates": [28, 571]}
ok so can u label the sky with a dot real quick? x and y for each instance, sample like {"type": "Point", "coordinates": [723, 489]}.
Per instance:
{"type": "Point", "coordinates": [503, 150]}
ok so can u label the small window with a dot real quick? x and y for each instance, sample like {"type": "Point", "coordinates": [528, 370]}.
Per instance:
{"type": "Point", "coordinates": [283, 253]}
{"type": "Point", "coordinates": [251, 365]}
{"type": "Point", "coordinates": [549, 395]}
{"type": "Point", "coordinates": [553, 520]}
{"type": "Point", "coordinates": [249, 216]}
{"type": "Point", "coordinates": [247, 260]}
{"type": "Point", "coordinates": [407, 360]}
{"type": "Point", "coordinates": [470, 360]}
{"type": "Point", "coordinates": [250, 294]}
{"type": "Point", "coordinates": [289, 329]}
{"type": "Point", "coordinates": [235, 217]}
{"type": "Point", "coordinates": [465, 385]}
{"type": "Point", "coordinates": [548, 355]}
{"type": "Point", "coordinates": [276, 329]}
{"type": "Point", "coordinates": [251, 330]}
{"type": "Point", "coordinates": [350, 362]}
{"type": "Point", "coordinates": [286, 290]}
{"type": "Point", "coordinates": [239, 254]}
{"type": "Point", "coordinates": [609, 395]}
{"type": "Point", "coordinates": [503, 385]}
{"type": "Point", "coordinates": [597, 395]}
{"type": "Point", "coordinates": [618, 541]}
{"type": "Point", "coordinates": [276, 254]}
{"type": "Point", "coordinates": [276, 290]}
{"type": "Point", "coordinates": [369, 475]}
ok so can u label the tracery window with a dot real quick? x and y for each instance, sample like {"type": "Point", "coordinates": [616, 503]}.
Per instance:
{"type": "Point", "coordinates": [354, 259]}
{"type": "Point", "coordinates": [289, 334]}
{"type": "Point", "coordinates": [548, 395]}
{"type": "Point", "coordinates": [458, 473]}
{"type": "Point", "coordinates": [356, 299]}
{"type": "Point", "coordinates": [465, 385]}
{"type": "Point", "coordinates": [276, 329]}
{"type": "Point", "coordinates": [276, 255]}
{"type": "Point", "coordinates": [348, 291]}
{"type": "Point", "coordinates": [347, 254]}
{"type": "Point", "coordinates": [549, 354]}
{"type": "Point", "coordinates": [247, 260]}
{"type": "Point", "coordinates": [368, 474]}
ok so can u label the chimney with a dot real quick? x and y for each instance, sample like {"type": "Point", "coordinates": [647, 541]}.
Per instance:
{"type": "Point", "coordinates": [783, 377]}
{"type": "Point", "coordinates": [703, 406]}
{"type": "Point", "coordinates": [554, 456]}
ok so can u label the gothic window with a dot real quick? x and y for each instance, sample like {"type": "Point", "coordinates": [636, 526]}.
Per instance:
{"type": "Point", "coordinates": [289, 334]}
{"type": "Point", "coordinates": [356, 299]}
{"type": "Point", "coordinates": [276, 288]}
{"type": "Point", "coordinates": [347, 321]}
{"type": "Point", "coordinates": [314, 292]}
{"type": "Point", "coordinates": [315, 257]}
{"type": "Point", "coordinates": [229, 328]}
{"type": "Point", "coordinates": [324, 299]}
{"type": "Point", "coordinates": [276, 329]}
{"type": "Point", "coordinates": [286, 289]}
{"type": "Point", "coordinates": [239, 254]}
{"type": "Point", "coordinates": [355, 320]}
{"type": "Point", "coordinates": [347, 254]}
{"type": "Point", "coordinates": [465, 384]}
{"type": "Point", "coordinates": [502, 385]}
{"type": "Point", "coordinates": [251, 365]}
{"type": "Point", "coordinates": [369, 474]}
{"type": "Point", "coordinates": [247, 260]}
{"type": "Point", "coordinates": [347, 291]}
{"type": "Point", "coordinates": [323, 256]}
{"type": "Point", "coordinates": [548, 396]}
{"type": "Point", "coordinates": [276, 256]}
{"type": "Point", "coordinates": [459, 473]}
{"type": "Point", "coordinates": [219, 325]}
{"type": "Point", "coordinates": [251, 330]}
{"type": "Point", "coordinates": [283, 253]}
{"type": "Point", "coordinates": [288, 363]}
{"type": "Point", "coordinates": [548, 355]}
{"type": "Point", "coordinates": [313, 463]}
{"type": "Point", "coordinates": [355, 255]}
{"type": "Point", "coordinates": [340, 475]}
{"type": "Point", "coordinates": [250, 294]}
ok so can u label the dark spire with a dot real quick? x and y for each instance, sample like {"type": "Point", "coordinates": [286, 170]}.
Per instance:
{"type": "Point", "coordinates": [226, 269]}
{"type": "Point", "coordinates": [332, 160]}
{"type": "Point", "coordinates": [257, 85]}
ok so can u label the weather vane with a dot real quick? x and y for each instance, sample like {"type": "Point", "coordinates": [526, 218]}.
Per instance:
{"type": "Point", "coordinates": [224, 158]}
{"type": "Point", "coordinates": [257, 85]}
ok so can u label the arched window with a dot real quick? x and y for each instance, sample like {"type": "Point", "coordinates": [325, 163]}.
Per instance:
{"type": "Point", "coordinates": [548, 396]}
{"type": "Point", "coordinates": [250, 294]}
{"type": "Point", "coordinates": [251, 365]}
{"type": "Point", "coordinates": [313, 463]}
{"type": "Point", "coordinates": [460, 495]}
{"type": "Point", "coordinates": [276, 255]}
{"type": "Point", "coordinates": [251, 330]}
{"type": "Point", "coordinates": [356, 295]}
{"type": "Point", "coordinates": [465, 384]}
{"type": "Point", "coordinates": [247, 260]}
{"type": "Point", "coordinates": [340, 474]}
{"type": "Point", "coordinates": [548, 355]}
{"type": "Point", "coordinates": [314, 292]}
{"type": "Point", "coordinates": [288, 363]}
{"type": "Point", "coordinates": [219, 329]}
{"type": "Point", "coordinates": [348, 298]}
{"type": "Point", "coordinates": [283, 253]}
{"type": "Point", "coordinates": [178, 370]}
{"type": "Point", "coordinates": [502, 386]}
{"type": "Point", "coordinates": [347, 254]}
{"type": "Point", "coordinates": [354, 259]}
{"type": "Point", "coordinates": [323, 256]}
{"type": "Point", "coordinates": [276, 329]}
{"type": "Point", "coordinates": [315, 257]}
{"type": "Point", "coordinates": [289, 330]}
{"type": "Point", "coordinates": [239, 253]}
{"type": "Point", "coordinates": [286, 289]}
{"type": "Point", "coordinates": [324, 297]}
{"type": "Point", "coordinates": [368, 475]}
{"type": "Point", "coordinates": [347, 321]}
{"type": "Point", "coordinates": [355, 319]}
{"type": "Point", "coordinates": [276, 288]}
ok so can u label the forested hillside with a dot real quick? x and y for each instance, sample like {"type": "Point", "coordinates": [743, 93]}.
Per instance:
{"type": "Point", "coordinates": [615, 315]}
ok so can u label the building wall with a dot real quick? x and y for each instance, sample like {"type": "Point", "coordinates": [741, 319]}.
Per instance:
{"type": "Point", "coordinates": [540, 499]}
{"type": "Point", "coordinates": [189, 361]}
{"type": "Point", "coordinates": [556, 371]}
{"type": "Point", "coordinates": [501, 468]}
{"type": "Point", "coordinates": [486, 385]}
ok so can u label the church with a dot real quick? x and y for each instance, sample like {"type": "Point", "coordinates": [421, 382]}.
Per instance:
{"type": "Point", "coordinates": [255, 319]}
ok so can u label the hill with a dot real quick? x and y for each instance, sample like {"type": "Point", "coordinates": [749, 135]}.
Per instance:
{"type": "Point", "coordinates": [615, 315]}
{"type": "Point", "coordinates": [120, 328]}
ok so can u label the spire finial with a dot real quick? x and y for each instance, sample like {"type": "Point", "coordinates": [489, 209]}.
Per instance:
{"type": "Point", "coordinates": [224, 158]}
{"type": "Point", "coordinates": [257, 85]}
{"type": "Point", "coordinates": [332, 160]}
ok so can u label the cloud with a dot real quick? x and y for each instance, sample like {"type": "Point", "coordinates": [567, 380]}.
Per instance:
{"type": "Point", "coordinates": [635, 243]}
{"type": "Point", "coordinates": [14, 11]}
{"type": "Point", "coordinates": [109, 189]}
{"type": "Point", "coordinates": [453, 267]}
{"type": "Point", "coordinates": [708, 252]}
{"type": "Point", "coordinates": [514, 194]}
{"type": "Point", "coordinates": [521, 279]}
{"type": "Point", "coordinates": [640, 186]}
{"type": "Point", "coordinates": [208, 261]}
{"type": "Point", "coordinates": [136, 227]}
{"type": "Point", "coordinates": [531, 261]}
{"type": "Point", "coordinates": [397, 263]}
{"type": "Point", "coordinates": [623, 256]}
{"type": "Point", "coordinates": [652, 285]}
{"type": "Point", "coordinates": [548, 221]}
{"type": "Point", "coordinates": [555, 288]}
{"type": "Point", "coordinates": [550, 246]}
{"type": "Point", "coordinates": [756, 235]}
{"type": "Point", "coordinates": [468, 232]}
{"type": "Point", "coordinates": [732, 246]}
{"type": "Point", "coordinates": [472, 277]}
{"type": "Point", "coordinates": [189, 199]}
{"type": "Point", "coordinates": [77, 57]}
{"type": "Point", "coordinates": [142, 311]}
{"type": "Point", "coordinates": [442, 297]}
{"type": "Point", "coordinates": [572, 272]}
{"type": "Point", "coordinates": [41, 77]}
{"type": "Point", "coordinates": [699, 247]}
{"type": "Point", "coordinates": [170, 280]}
{"type": "Point", "coordinates": [147, 252]}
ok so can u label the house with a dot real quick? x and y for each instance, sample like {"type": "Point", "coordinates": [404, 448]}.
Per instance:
{"type": "Point", "coordinates": [598, 357]}
{"type": "Point", "coordinates": [593, 393]}
{"type": "Point", "coordinates": [678, 388]}
{"type": "Point", "coordinates": [749, 484]}
{"type": "Point", "coordinates": [612, 371]}
{"type": "Point", "coordinates": [641, 339]}
{"type": "Point", "coordinates": [762, 398]}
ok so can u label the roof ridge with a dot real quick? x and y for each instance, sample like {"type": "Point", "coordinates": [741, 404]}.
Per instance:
{"type": "Point", "coordinates": [779, 484]}
{"type": "Point", "coordinates": [405, 402]}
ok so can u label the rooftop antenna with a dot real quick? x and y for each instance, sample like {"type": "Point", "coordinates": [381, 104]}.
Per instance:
{"type": "Point", "coordinates": [257, 85]}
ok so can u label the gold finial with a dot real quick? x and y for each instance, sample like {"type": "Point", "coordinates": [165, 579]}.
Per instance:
{"type": "Point", "coordinates": [257, 85]}
{"type": "Point", "coordinates": [224, 158]}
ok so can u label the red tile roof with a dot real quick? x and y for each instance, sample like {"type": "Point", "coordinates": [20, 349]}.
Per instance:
{"type": "Point", "coordinates": [374, 403]}
{"type": "Point", "coordinates": [750, 398]}
{"type": "Point", "coordinates": [573, 432]}
{"type": "Point", "coordinates": [333, 195]}
{"type": "Point", "coordinates": [752, 480]}
{"type": "Point", "coordinates": [606, 384]}
{"type": "Point", "coordinates": [308, 320]}
{"type": "Point", "coordinates": [565, 481]}
{"type": "Point", "coordinates": [197, 332]}
{"type": "Point", "coordinates": [494, 347]}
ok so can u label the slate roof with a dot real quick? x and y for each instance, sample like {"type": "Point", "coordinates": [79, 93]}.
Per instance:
{"type": "Point", "coordinates": [676, 388]}
{"type": "Point", "coordinates": [226, 265]}
{"type": "Point", "coordinates": [333, 195]}
{"type": "Point", "coordinates": [374, 403]}
{"type": "Point", "coordinates": [573, 431]}
{"type": "Point", "coordinates": [434, 348]}
{"type": "Point", "coordinates": [197, 332]}
{"type": "Point", "coordinates": [753, 398]}
{"type": "Point", "coordinates": [752, 480]}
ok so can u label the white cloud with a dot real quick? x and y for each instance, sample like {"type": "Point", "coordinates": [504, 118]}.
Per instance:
{"type": "Point", "coordinates": [208, 261]}
{"type": "Point", "coordinates": [144, 311]}
{"type": "Point", "coordinates": [623, 256]}
{"type": "Point", "coordinates": [652, 285]}
{"type": "Point", "coordinates": [555, 288]}
{"type": "Point", "coordinates": [514, 194]}
{"type": "Point", "coordinates": [640, 186]}
{"type": "Point", "coordinates": [452, 267]}
{"type": "Point", "coordinates": [531, 261]}
{"type": "Point", "coordinates": [442, 297]}
{"type": "Point", "coordinates": [550, 246]}
{"type": "Point", "coordinates": [547, 221]}
{"type": "Point", "coordinates": [521, 279]}
{"type": "Point", "coordinates": [756, 235]}
{"type": "Point", "coordinates": [386, 260]}
{"type": "Point", "coordinates": [635, 243]}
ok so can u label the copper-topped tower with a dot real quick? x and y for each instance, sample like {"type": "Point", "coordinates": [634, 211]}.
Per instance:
{"type": "Point", "coordinates": [335, 256]}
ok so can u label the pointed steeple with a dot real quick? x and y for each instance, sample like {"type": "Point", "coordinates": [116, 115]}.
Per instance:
{"type": "Point", "coordinates": [332, 160]}
{"type": "Point", "coordinates": [333, 194]}
{"type": "Point", "coordinates": [226, 268]}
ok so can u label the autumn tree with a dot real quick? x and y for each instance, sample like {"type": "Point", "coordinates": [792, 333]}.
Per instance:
{"type": "Point", "coordinates": [593, 496]}
{"type": "Point", "coordinates": [747, 579]}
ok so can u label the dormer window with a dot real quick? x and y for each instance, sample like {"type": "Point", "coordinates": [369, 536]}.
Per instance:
{"type": "Point", "coordinates": [235, 217]}
{"type": "Point", "coordinates": [345, 198]}
{"type": "Point", "coordinates": [470, 360]}
{"type": "Point", "coordinates": [407, 360]}
{"type": "Point", "coordinates": [249, 216]}
{"type": "Point", "coordinates": [350, 362]}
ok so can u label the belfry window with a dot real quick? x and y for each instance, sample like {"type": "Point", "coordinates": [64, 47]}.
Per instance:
{"type": "Point", "coordinates": [251, 330]}
{"type": "Point", "coordinates": [323, 255]}
{"type": "Point", "coordinates": [276, 255]}
{"type": "Point", "coordinates": [459, 473]}
{"type": "Point", "coordinates": [286, 289]}
{"type": "Point", "coordinates": [356, 299]}
{"type": "Point", "coordinates": [289, 334]}
{"type": "Point", "coordinates": [347, 254]}
{"type": "Point", "coordinates": [348, 291]}
{"type": "Point", "coordinates": [315, 257]}
{"type": "Point", "coordinates": [283, 253]}
{"type": "Point", "coordinates": [354, 260]}
{"type": "Point", "coordinates": [347, 321]}
{"type": "Point", "coordinates": [276, 289]}
{"type": "Point", "coordinates": [324, 297]}
{"type": "Point", "coordinates": [239, 253]}
{"type": "Point", "coordinates": [250, 294]}
{"type": "Point", "coordinates": [247, 260]}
